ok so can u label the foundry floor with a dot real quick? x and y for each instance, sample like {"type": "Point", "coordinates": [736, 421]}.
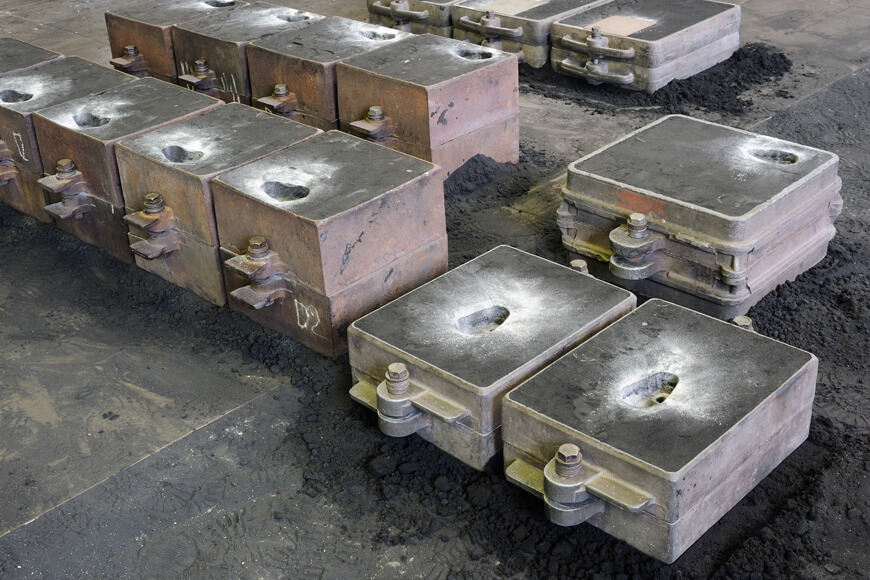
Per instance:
{"type": "Point", "coordinates": [145, 433]}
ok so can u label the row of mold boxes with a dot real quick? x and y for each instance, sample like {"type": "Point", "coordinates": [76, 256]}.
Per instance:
{"type": "Point", "coordinates": [302, 230]}
{"type": "Point", "coordinates": [649, 423]}
{"type": "Point", "coordinates": [636, 44]}
{"type": "Point", "coordinates": [435, 98]}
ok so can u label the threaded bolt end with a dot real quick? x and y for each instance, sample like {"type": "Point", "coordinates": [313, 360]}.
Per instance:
{"type": "Point", "coordinates": [280, 91]}
{"type": "Point", "coordinates": [65, 168]}
{"type": "Point", "coordinates": [200, 67]}
{"type": "Point", "coordinates": [596, 32]}
{"type": "Point", "coordinates": [154, 203]}
{"type": "Point", "coordinates": [569, 461]}
{"type": "Point", "coordinates": [376, 113]}
{"type": "Point", "coordinates": [398, 379]}
{"type": "Point", "coordinates": [258, 248]}
{"type": "Point", "coordinates": [637, 225]}
{"type": "Point", "coordinates": [130, 51]}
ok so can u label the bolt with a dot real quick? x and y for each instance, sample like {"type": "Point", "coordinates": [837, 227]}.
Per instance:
{"type": "Point", "coordinates": [376, 113]}
{"type": "Point", "coordinates": [65, 169]}
{"type": "Point", "coordinates": [569, 461]}
{"type": "Point", "coordinates": [596, 32]}
{"type": "Point", "coordinates": [743, 322]}
{"type": "Point", "coordinates": [200, 68]}
{"type": "Point", "coordinates": [398, 382]}
{"type": "Point", "coordinates": [637, 225]}
{"type": "Point", "coordinates": [580, 266]}
{"type": "Point", "coordinates": [258, 248]}
{"type": "Point", "coordinates": [490, 14]}
{"type": "Point", "coordinates": [280, 91]}
{"type": "Point", "coordinates": [154, 203]}
{"type": "Point", "coordinates": [130, 51]}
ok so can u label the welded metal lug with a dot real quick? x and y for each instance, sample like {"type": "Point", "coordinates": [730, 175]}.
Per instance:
{"type": "Point", "coordinates": [69, 183]}
{"type": "Point", "coordinates": [131, 62]}
{"type": "Point", "coordinates": [564, 514]}
{"type": "Point", "coordinates": [635, 249]}
{"type": "Point", "coordinates": [281, 101]}
{"type": "Point", "coordinates": [375, 127]}
{"type": "Point", "coordinates": [595, 71]}
{"type": "Point", "coordinates": [397, 415]}
{"type": "Point", "coordinates": [202, 79]}
{"type": "Point", "coordinates": [262, 267]}
{"type": "Point", "coordinates": [596, 44]}
{"type": "Point", "coordinates": [158, 221]}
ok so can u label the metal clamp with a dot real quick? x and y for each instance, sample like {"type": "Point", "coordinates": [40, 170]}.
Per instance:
{"type": "Point", "coordinates": [635, 250]}
{"type": "Point", "coordinates": [403, 407]}
{"type": "Point", "coordinates": [70, 184]}
{"type": "Point", "coordinates": [399, 10]}
{"type": "Point", "coordinates": [375, 127]}
{"type": "Point", "coordinates": [490, 26]}
{"type": "Point", "coordinates": [574, 491]}
{"type": "Point", "coordinates": [596, 45]}
{"type": "Point", "coordinates": [131, 62]}
{"type": "Point", "coordinates": [281, 101]}
{"type": "Point", "coordinates": [595, 72]}
{"type": "Point", "coordinates": [159, 222]}
{"type": "Point", "coordinates": [203, 78]}
{"type": "Point", "coordinates": [263, 268]}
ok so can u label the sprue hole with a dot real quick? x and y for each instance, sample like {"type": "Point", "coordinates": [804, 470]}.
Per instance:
{"type": "Point", "coordinates": [284, 191]}
{"type": "Point", "coordinates": [375, 35]}
{"type": "Point", "coordinates": [474, 54]}
{"type": "Point", "coordinates": [178, 154]}
{"type": "Point", "coordinates": [90, 120]}
{"type": "Point", "coordinates": [219, 3]}
{"type": "Point", "coordinates": [293, 17]}
{"type": "Point", "coordinates": [775, 156]}
{"type": "Point", "coordinates": [483, 321]}
{"type": "Point", "coordinates": [13, 96]}
{"type": "Point", "coordinates": [650, 391]}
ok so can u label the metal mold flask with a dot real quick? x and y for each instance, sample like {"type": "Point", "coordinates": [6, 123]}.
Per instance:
{"type": "Point", "coordinates": [439, 360]}
{"type": "Point", "coordinates": [657, 426]}
{"type": "Point", "coordinates": [645, 45]}
{"type": "Point", "coordinates": [325, 231]}
{"type": "Point", "coordinates": [704, 215]}
{"type": "Point", "coordinates": [166, 181]}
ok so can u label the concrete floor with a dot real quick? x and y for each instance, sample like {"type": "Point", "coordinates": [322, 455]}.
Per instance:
{"type": "Point", "coordinates": [80, 370]}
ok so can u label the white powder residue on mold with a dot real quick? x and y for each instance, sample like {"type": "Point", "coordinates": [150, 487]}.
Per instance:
{"type": "Point", "coordinates": [314, 173]}
{"type": "Point", "coordinates": [24, 91]}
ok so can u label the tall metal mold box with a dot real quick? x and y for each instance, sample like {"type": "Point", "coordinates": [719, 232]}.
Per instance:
{"type": "Point", "coordinates": [21, 94]}
{"type": "Point", "coordinates": [293, 74]}
{"type": "Point", "coordinates": [434, 98]}
{"type": "Point", "coordinates": [703, 215]}
{"type": "Point", "coordinates": [643, 45]}
{"type": "Point", "coordinates": [166, 181]}
{"type": "Point", "coordinates": [78, 139]}
{"type": "Point", "coordinates": [417, 16]}
{"type": "Point", "coordinates": [210, 54]}
{"type": "Point", "coordinates": [147, 26]}
{"type": "Point", "coordinates": [439, 360]}
{"type": "Point", "coordinates": [517, 26]}
{"type": "Point", "coordinates": [657, 426]}
{"type": "Point", "coordinates": [315, 236]}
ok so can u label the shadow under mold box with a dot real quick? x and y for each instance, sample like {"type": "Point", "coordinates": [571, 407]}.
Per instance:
{"type": "Point", "coordinates": [166, 181]}
{"type": "Point", "coordinates": [86, 197]}
{"type": "Point", "coordinates": [467, 338]}
{"type": "Point", "coordinates": [317, 235]}
{"type": "Point", "coordinates": [706, 216]}
{"type": "Point", "coordinates": [23, 93]}
{"type": "Point", "coordinates": [304, 61]}
{"type": "Point", "coordinates": [148, 27]}
{"type": "Point", "coordinates": [657, 426]}
{"type": "Point", "coordinates": [434, 98]}
{"type": "Point", "coordinates": [221, 42]}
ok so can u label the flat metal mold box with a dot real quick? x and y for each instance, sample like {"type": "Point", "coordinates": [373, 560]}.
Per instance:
{"type": "Point", "coordinates": [439, 360]}
{"type": "Point", "coordinates": [643, 45]}
{"type": "Point", "coordinates": [210, 53]}
{"type": "Point", "coordinates": [17, 55]}
{"type": "Point", "coordinates": [147, 28]}
{"type": "Point", "coordinates": [657, 426]}
{"type": "Point", "coordinates": [293, 74]}
{"type": "Point", "coordinates": [166, 181]}
{"type": "Point", "coordinates": [319, 234]}
{"type": "Point", "coordinates": [21, 94]}
{"type": "Point", "coordinates": [78, 138]}
{"type": "Point", "coordinates": [435, 98]}
{"type": "Point", "coordinates": [517, 26]}
{"type": "Point", "coordinates": [704, 215]}
{"type": "Point", "coordinates": [417, 16]}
